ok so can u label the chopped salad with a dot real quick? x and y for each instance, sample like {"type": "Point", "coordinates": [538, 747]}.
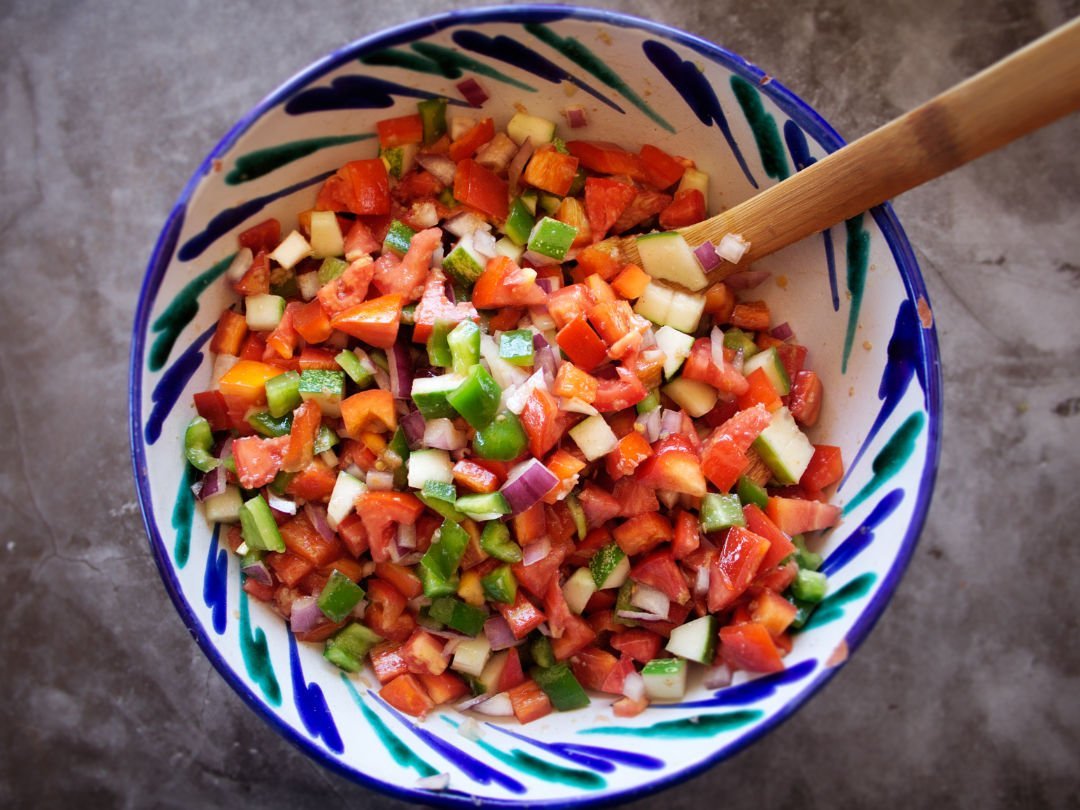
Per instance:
{"type": "Point", "coordinates": [457, 441]}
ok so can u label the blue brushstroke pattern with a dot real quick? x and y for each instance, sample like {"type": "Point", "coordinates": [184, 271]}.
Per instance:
{"type": "Point", "coordinates": [182, 311]}
{"type": "Point", "coordinates": [311, 703]}
{"type": "Point", "coordinates": [518, 14]}
{"type": "Point", "coordinates": [182, 513]}
{"type": "Point", "coordinates": [749, 692]}
{"type": "Point", "coordinates": [253, 646]}
{"type": "Point", "coordinates": [356, 93]}
{"type": "Point", "coordinates": [854, 545]}
{"type": "Point", "coordinates": [799, 150]}
{"type": "Point", "coordinates": [901, 365]}
{"type": "Point", "coordinates": [698, 94]}
{"type": "Point", "coordinates": [521, 56]}
{"type": "Point", "coordinates": [166, 246]}
{"type": "Point", "coordinates": [172, 383]}
{"type": "Point", "coordinates": [215, 590]}
{"type": "Point", "coordinates": [401, 753]}
{"type": "Point", "coordinates": [231, 217]}
{"type": "Point", "coordinates": [478, 771]}
{"type": "Point", "coordinates": [596, 757]}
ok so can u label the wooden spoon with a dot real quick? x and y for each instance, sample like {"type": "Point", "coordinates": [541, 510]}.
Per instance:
{"type": "Point", "coordinates": [1023, 92]}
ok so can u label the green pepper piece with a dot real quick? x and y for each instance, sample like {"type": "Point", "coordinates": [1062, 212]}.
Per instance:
{"type": "Point", "coordinates": [434, 583]}
{"type": "Point", "coordinates": [438, 347]}
{"type": "Point", "coordinates": [339, 596]}
{"type": "Point", "coordinates": [519, 222]}
{"type": "Point", "coordinates": [441, 496]}
{"type": "Point", "coordinates": [283, 393]}
{"type": "Point", "coordinates": [581, 523]}
{"type": "Point", "coordinates": [348, 647]}
{"type": "Point", "coordinates": [325, 439]}
{"type": "Point", "coordinates": [541, 652]}
{"type": "Point", "coordinates": [268, 426]}
{"type": "Point", "coordinates": [500, 585]}
{"type": "Point", "coordinates": [483, 505]}
{"type": "Point", "coordinates": [577, 185]}
{"type": "Point", "coordinates": [562, 688]}
{"type": "Point", "coordinates": [397, 451]}
{"type": "Point", "coordinates": [252, 556]}
{"type": "Point", "coordinates": [198, 439]}
{"type": "Point", "coordinates": [622, 603]}
{"type": "Point", "coordinates": [807, 559]}
{"type": "Point", "coordinates": [330, 269]}
{"type": "Point", "coordinates": [398, 238]}
{"type": "Point", "coordinates": [720, 512]}
{"type": "Point", "coordinates": [650, 403]}
{"type": "Point", "coordinates": [283, 283]}
{"type": "Point", "coordinates": [502, 440]}
{"type": "Point", "coordinates": [516, 347]}
{"type": "Point", "coordinates": [281, 483]}
{"type": "Point", "coordinates": [803, 613]}
{"type": "Point", "coordinates": [477, 398]}
{"type": "Point", "coordinates": [464, 343]}
{"type": "Point", "coordinates": [433, 117]}
{"type": "Point", "coordinates": [551, 238]}
{"type": "Point", "coordinates": [258, 527]}
{"type": "Point", "coordinates": [809, 586]}
{"type": "Point", "coordinates": [353, 366]}
{"type": "Point", "coordinates": [736, 339]}
{"type": "Point", "coordinates": [444, 555]}
{"type": "Point", "coordinates": [458, 615]}
{"type": "Point", "coordinates": [495, 540]}
{"type": "Point", "coordinates": [751, 493]}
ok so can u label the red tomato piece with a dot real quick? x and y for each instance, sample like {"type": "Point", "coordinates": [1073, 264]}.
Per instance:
{"type": "Point", "coordinates": [539, 418]}
{"type": "Point", "coordinates": [407, 695]}
{"type": "Point", "coordinates": [512, 674]}
{"type": "Point", "coordinates": [759, 390]}
{"type": "Point", "coordinates": [230, 333]}
{"type": "Point", "coordinates": [423, 654]}
{"type": "Point", "coordinates": [581, 344]}
{"type": "Point", "coordinates": [258, 460]}
{"type": "Point", "coordinates": [773, 612]}
{"type": "Point", "coordinates": [375, 321]}
{"type": "Point", "coordinates": [263, 236]}
{"type": "Point", "coordinates": [349, 289]}
{"type": "Point", "coordinates": [687, 208]}
{"type": "Point", "coordinates": [302, 540]}
{"type": "Point", "coordinates": [444, 688]}
{"type": "Point", "coordinates": [568, 303]}
{"type": "Point", "coordinates": [256, 280]}
{"type": "Point", "coordinates": [288, 567]}
{"type": "Point", "coordinates": [435, 306]}
{"type": "Point", "coordinates": [613, 683]}
{"type": "Point", "coordinates": [504, 284]}
{"type": "Point", "coordinates": [749, 646]}
{"type": "Point", "coordinates": [305, 425]}
{"type": "Point", "coordinates": [535, 578]}
{"type": "Point", "coordinates": [805, 400]}
{"type": "Point", "coordinates": [659, 570]}
{"type": "Point", "coordinates": [621, 393]}
{"type": "Point", "coordinates": [401, 577]}
{"type": "Point", "coordinates": [630, 452]}
{"type": "Point", "coordinates": [405, 129]}
{"type": "Point", "coordinates": [591, 666]}
{"type": "Point", "coordinates": [522, 616]}
{"type": "Point", "coordinates": [642, 533]}
{"type": "Point", "coordinates": [826, 468]}
{"type": "Point", "coordinates": [599, 506]}
{"type": "Point", "coordinates": [793, 356]}
{"type": "Point", "coordinates": [677, 470]}
{"type": "Point", "coordinates": [361, 186]}
{"type": "Point", "coordinates": [596, 260]}
{"type": "Point", "coordinates": [643, 207]}
{"type": "Point", "coordinates": [212, 407]}
{"type": "Point", "coordinates": [661, 169]}
{"type": "Point", "coordinates": [701, 366]}
{"type": "Point", "coordinates": [780, 545]}
{"type": "Point", "coordinates": [735, 566]}
{"type": "Point", "coordinates": [605, 200]}
{"type": "Point", "coordinates": [577, 634]}
{"type": "Point", "coordinates": [380, 511]}
{"type": "Point", "coordinates": [482, 189]}
{"type": "Point", "coordinates": [794, 516]}
{"type": "Point", "coordinates": [475, 478]}
{"type": "Point", "coordinates": [639, 644]}
{"type": "Point", "coordinates": [475, 137]}
{"type": "Point", "coordinates": [634, 497]}
{"type": "Point", "coordinates": [605, 157]}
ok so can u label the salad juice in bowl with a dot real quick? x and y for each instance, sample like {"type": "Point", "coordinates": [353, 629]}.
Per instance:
{"type": "Point", "coordinates": [472, 510]}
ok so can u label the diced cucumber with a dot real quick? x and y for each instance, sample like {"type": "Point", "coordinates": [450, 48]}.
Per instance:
{"type": "Point", "coordinates": [293, 249]}
{"type": "Point", "coordinates": [283, 393]}
{"type": "Point", "coordinates": [360, 370]}
{"type": "Point", "coordinates": [538, 130]}
{"type": "Point", "coordinates": [594, 436]}
{"type": "Point", "coordinates": [330, 269]}
{"type": "Point", "coordinates": [325, 438]}
{"type": "Point", "coordinates": [326, 388]}
{"type": "Point", "coordinates": [581, 522]}
{"type": "Point", "coordinates": [463, 263]}
{"type": "Point", "coordinates": [326, 237]}
{"type": "Point", "coordinates": [609, 567]}
{"type": "Point", "coordinates": [225, 506]}
{"type": "Point", "coordinates": [433, 117]}
{"type": "Point", "coordinates": [492, 672]}
{"type": "Point", "coordinates": [695, 397]}
{"type": "Point", "coordinates": [736, 339]}
{"type": "Point", "coordinates": [258, 526]}
{"type": "Point", "coordinates": [665, 306]}
{"type": "Point", "coordinates": [548, 203]}
{"type": "Point", "coordinates": [552, 238]}
{"type": "Point", "coordinates": [769, 361]}
{"type": "Point", "coordinates": [398, 160]}
{"type": "Point", "coordinates": [506, 247]}
{"type": "Point", "coordinates": [784, 448]}
{"type": "Point", "coordinates": [562, 688]}
{"type": "Point", "coordinates": [540, 651]}
{"type": "Point", "coordinates": [430, 465]}
{"type": "Point", "coordinates": [667, 256]}
{"type": "Point", "coordinates": [471, 656]}
{"type": "Point", "coordinates": [665, 678]}
{"type": "Point", "coordinates": [750, 493]}
{"type": "Point", "coordinates": [263, 312]}
{"type": "Point", "coordinates": [347, 489]}
{"type": "Point", "coordinates": [429, 394]}
{"type": "Point", "coordinates": [720, 512]}
{"type": "Point", "coordinates": [676, 347]}
{"type": "Point", "coordinates": [483, 506]}
{"type": "Point", "coordinates": [695, 641]}
{"type": "Point", "coordinates": [530, 197]}
{"type": "Point", "coordinates": [519, 222]}
{"type": "Point", "coordinates": [267, 425]}
{"type": "Point", "coordinates": [578, 589]}
{"type": "Point", "coordinates": [695, 179]}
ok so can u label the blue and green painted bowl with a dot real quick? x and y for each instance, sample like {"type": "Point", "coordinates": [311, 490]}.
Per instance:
{"type": "Point", "coordinates": [854, 295]}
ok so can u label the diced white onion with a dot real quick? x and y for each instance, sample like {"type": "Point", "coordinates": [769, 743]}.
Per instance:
{"type": "Point", "coordinates": [732, 248]}
{"type": "Point", "coordinates": [240, 264]}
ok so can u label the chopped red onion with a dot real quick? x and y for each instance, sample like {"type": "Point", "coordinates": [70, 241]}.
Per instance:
{"type": "Point", "coordinates": [783, 331]}
{"type": "Point", "coordinates": [634, 686]}
{"type": "Point", "coordinates": [440, 166]}
{"type": "Point", "coordinates": [397, 357]}
{"type": "Point", "coordinates": [496, 706]}
{"type": "Point", "coordinates": [382, 380]}
{"type": "Point", "coordinates": [517, 164]}
{"type": "Point", "coordinates": [539, 259]}
{"type": "Point", "coordinates": [667, 497]}
{"type": "Point", "coordinates": [259, 572]}
{"type": "Point", "coordinates": [543, 629]}
{"type": "Point", "coordinates": [240, 264]}
{"type": "Point", "coordinates": [716, 343]}
{"type": "Point", "coordinates": [648, 338]}
{"type": "Point", "coordinates": [732, 248]}
{"type": "Point", "coordinates": [212, 483]}
{"type": "Point", "coordinates": [548, 284]}
{"type": "Point", "coordinates": [414, 426]}
{"type": "Point", "coordinates": [472, 92]}
{"type": "Point", "coordinates": [527, 483]}
{"type": "Point", "coordinates": [451, 294]}
{"type": "Point", "coordinates": [441, 434]}
{"type": "Point", "coordinates": [279, 504]}
{"type": "Point", "coordinates": [540, 316]}
{"type": "Point", "coordinates": [739, 362]}
{"type": "Point", "coordinates": [650, 599]}
{"type": "Point", "coordinates": [359, 609]}
{"type": "Point", "coordinates": [539, 341]}
{"type": "Point", "coordinates": [650, 423]}
{"type": "Point", "coordinates": [701, 582]}
{"type": "Point", "coordinates": [499, 634]}
{"type": "Point", "coordinates": [536, 551]}
{"type": "Point", "coordinates": [717, 677]}
{"type": "Point", "coordinates": [546, 360]}
{"type": "Point", "coordinates": [380, 480]}
{"type": "Point", "coordinates": [670, 422]}
{"type": "Point", "coordinates": [577, 405]}
{"type": "Point", "coordinates": [707, 256]}
{"type": "Point", "coordinates": [225, 450]}
{"type": "Point", "coordinates": [438, 781]}
{"type": "Point", "coordinates": [484, 244]}
{"type": "Point", "coordinates": [470, 729]}
{"type": "Point", "coordinates": [639, 616]}
{"type": "Point", "coordinates": [316, 515]}
{"type": "Point", "coordinates": [747, 279]}
{"type": "Point", "coordinates": [305, 614]}
{"type": "Point", "coordinates": [575, 116]}
{"type": "Point", "coordinates": [465, 705]}
{"type": "Point", "coordinates": [465, 222]}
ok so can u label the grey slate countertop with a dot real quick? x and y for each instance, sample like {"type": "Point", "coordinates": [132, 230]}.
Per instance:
{"type": "Point", "coordinates": [966, 695]}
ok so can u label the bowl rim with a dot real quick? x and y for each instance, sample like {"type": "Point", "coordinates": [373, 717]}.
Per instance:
{"type": "Point", "coordinates": [793, 106]}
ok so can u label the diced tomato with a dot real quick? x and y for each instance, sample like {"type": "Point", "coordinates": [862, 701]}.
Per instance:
{"type": "Point", "coordinates": [407, 695]}
{"type": "Point", "coordinates": [310, 322]}
{"type": "Point", "coordinates": [628, 454]}
{"type": "Point", "coordinates": [759, 390]}
{"type": "Point", "coordinates": [599, 506]}
{"type": "Point", "coordinates": [551, 171]}
{"type": "Point", "coordinates": [627, 707]}
{"type": "Point", "coordinates": [529, 702]}
{"type": "Point", "coordinates": [474, 477]}
{"type": "Point", "coordinates": [795, 516]}
{"type": "Point", "coordinates": [497, 287]}
{"type": "Point", "coordinates": [405, 129]}
{"type": "Point", "coordinates": [621, 393]}
{"type": "Point", "coordinates": [735, 567]}
{"type": "Point", "coordinates": [687, 534]}
{"type": "Point", "coordinates": [659, 570]}
{"type": "Point", "coordinates": [375, 321]}
{"type": "Point", "coordinates": [288, 567]}
{"type": "Point", "coordinates": [212, 407]}
{"type": "Point", "coordinates": [773, 612]}
{"type": "Point", "coordinates": [614, 682]}
{"type": "Point", "coordinates": [749, 646]}
{"type": "Point", "coordinates": [258, 460]}
{"type": "Point", "coordinates": [644, 206]}
{"type": "Point", "coordinates": [631, 282]}
{"type": "Point", "coordinates": [539, 418]}
{"type": "Point", "coordinates": [423, 654]}
{"type": "Point", "coordinates": [387, 662]}
{"type": "Point", "coordinates": [512, 674]}
{"type": "Point", "coordinates": [305, 425]}
{"type": "Point", "coordinates": [639, 644]}
{"type": "Point", "coordinates": [359, 241]}
{"type": "Point", "coordinates": [605, 200]}
{"type": "Point", "coordinates": [347, 290]}
{"type": "Point", "coordinates": [700, 365]}
{"type": "Point", "coordinates": [530, 525]}
{"type": "Point", "coordinates": [315, 482]}
{"type": "Point", "coordinates": [386, 613]}
{"type": "Point", "coordinates": [405, 276]}
{"type": "Point", "coordinates": [826, 468]}
{"type": "Point", "coordinates": [568, 303]}
{"type": "Point", "coordinates": [435, 306]}
{"type": "Point", "coordinates": [230, 333]}
{"type": "Point", "coordinates": [607, 158]}
{"type": "Point", "coordinates": [473, 138]}
{"type": "Point", "coordinates": [263, 236]}
{"type": "Point", "coordinates": [805, 400]}
{"type": "Point", "coordinates": [522, 616]}
{"type": "Point", "coordinates": [505, 319]}
{"type": "Point", "coordinates": [482, 189]}
{"type": "Point", "coordinates": [596, 260]}
{"type": "Point", "coordinates": [361, 186]}
{"type": "Point", "coordinates": [302, 540]}
{"type": "Point", "coordinates": [678, 470]}
{"type": "Point", "coordinates": [256, 280]}
{"type": "Point", "coordinates": [661, 169]}
{"type": "Point", "coordinates": [257, 590]}
{"type": "Point", "coordinates": [254, 347]}
{"type": "Point", "coordinates": [401, 577]}
{"type": "Point", "coordinates": [572, 213]}
{"type": "Point", "coordinates": [591, 666]}
{"type": "Point", "coordinates": [379, 511]}
{"type": "Point", "coordinates": [793, 356]}
{"type": "Point", "coordinates": [581, 344]}
{"type": "Point", "coordinates": [643, 533]}
{"type": "Point", "coordinates": [535, 578]}
{"type": "Point", "coordinates": [687, 208]}
{"type": "Point", "coordinates": [572, 382]}
{"type": "Point", "coordinates": [577, 634]}
{"type": "Point", "coordinates": [753, 316]}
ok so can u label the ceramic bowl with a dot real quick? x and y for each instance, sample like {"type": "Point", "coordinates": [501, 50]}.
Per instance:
{"type": "Point", "coordinates": [854, 295]}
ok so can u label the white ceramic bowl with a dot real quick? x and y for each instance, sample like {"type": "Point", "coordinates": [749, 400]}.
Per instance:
{"type": "Point", "coordinates": [853, 295]}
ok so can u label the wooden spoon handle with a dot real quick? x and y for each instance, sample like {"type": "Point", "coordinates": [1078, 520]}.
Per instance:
{"type": "Point", "coordinates": [1023, 92]}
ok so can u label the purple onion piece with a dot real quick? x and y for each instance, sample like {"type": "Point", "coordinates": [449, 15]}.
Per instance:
{"type": "Point", "coordinates": [472, 92]}
{"type": "Point", "coordinates": [305, 615]}
{"type": "Point", "coordinates": [414, 426]}
{"type": "Point", "coordinates": [548, 284]}
{"type": "Point", "coordinates": [746, 280]}
{"type": "Point", "coordinates": [783, 331]}
{"type": "Point", "coordinates": [278, 504]}
{"type": "Point", "coordinates": [707, 256]}
{"type": "Point", "coordinates": [212, 483]}
{"type": "Point", "coordinates": [536, 551]}
{"type": "Point", "coordinates": [441, 434]}
{"type": "Point", "coordinates": [380, 480]}
{"type": "Point", "coordinates": [670, 422]}
{"type": "Point", "coordinates": [397, 357]}
{"type": "Point", "coordinates": [499, 634]}
{"type": "Point", "coordinates": [316, 515]}
{"type": "Point", "coordinates": [517, 164]}
{"type": "Point", "coordinates": [539, 341]}
{"type": "Point", "coordinates": [528, 483]}
{"type": "Point", "coordinates": [439, 165]}
{"type": "Point", "coordinates": [259, 572]}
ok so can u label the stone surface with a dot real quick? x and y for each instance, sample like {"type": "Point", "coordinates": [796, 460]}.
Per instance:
{"type": "Point", "coordinates": [965, 695]}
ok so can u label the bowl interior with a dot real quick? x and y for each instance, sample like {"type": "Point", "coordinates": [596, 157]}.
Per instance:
{"type": "Point", "coordinates": [853, 295]}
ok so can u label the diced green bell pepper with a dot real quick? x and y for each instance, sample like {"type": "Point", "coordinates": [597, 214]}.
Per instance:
{"type": "Point", "coordinates": [721, 512]}
{"type": "Point", "coordinates": [806, 559]}
{"type": "Point", "coordinates": [803, 612]}
{"type": "Point", "coordinates": [444, 555]}
{"type": "Point", "coordinates": [325, 438]}
{"type": "Point", "coordinates": [503, 439]}
{"type": "Point", "coordinates": [283, 393]}
{"type": "Point", "coordinates": [750, 492]}
{"type": "Point", "coordinates": [460, 616]}
{"type": "Point", "coordinates": [464, 343]}
{"type": "Point", "coordinates": [399, 447]}
{"type": "Point", "coordinates": [477, 398]}
{"type": "Point", "coordinates": [581, 523]}
{"type": "Point", "coordinates": [562, 688]}
{"type": "Point", "coordinates": [438, 347]}
{"type": "Point", "coordinates": [500, 585]}
{"type": "Point", "coordinates": [577, 185]}
{"type": "Point", "coordinates": [348, 647]}
{"type": "Point", "coordinates": [281, 483]}
{"type": "Point", "coordinates": [736, 339]}
{"type": "Point", "coordinates": [339, 596]}
{"type": "Point", "coordinates": [258, 527]}
{"type": "Point", "coordinates": [540, 651]}
{"type": "Point", "coordinates": [441, 496]}
{"type": "Point", "coordinates": [198, 439]}
{"type": "Point", "coordinates": [495, 540]}
{"type": "Point", "coordinates": [809, 586]}
{"type": "Point", "coordinates": [482, 505]}
{"type": "Point", "coordinates": [268, 425]}
{"type": "Point", "coordinates": [433, 117]}
{"type": "Point", "coordinates": [433, 583]}
{"type": "Point", "coordinates": [352, 365]}
{"type": "Point", "coordinates": [519, 222]}
{"type": "Point", "coordinates": [516, 347]}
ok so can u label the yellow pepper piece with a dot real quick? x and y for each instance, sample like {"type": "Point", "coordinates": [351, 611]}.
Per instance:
{"type": "Point", "coordinates": [470, 589]}
{"type": "Point", "coordinates": [247, 380]}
